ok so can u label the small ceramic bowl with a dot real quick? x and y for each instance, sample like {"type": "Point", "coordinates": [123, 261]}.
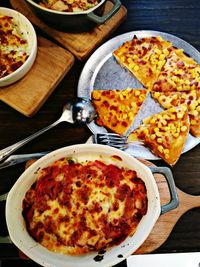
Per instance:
{"type": "Point", "coordinates": [21, 238]}
{"type": "Point", "coordinates": [28, 32]}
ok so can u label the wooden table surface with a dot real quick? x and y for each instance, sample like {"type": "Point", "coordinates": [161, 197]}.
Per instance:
{"type": "Point", "coordinates": [181, 18]}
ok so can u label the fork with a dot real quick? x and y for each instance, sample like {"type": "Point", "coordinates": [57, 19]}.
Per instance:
{"type": "Point", "coordinates": [111, 139]}
{"type": "Point", "coordinates": [114, 140]}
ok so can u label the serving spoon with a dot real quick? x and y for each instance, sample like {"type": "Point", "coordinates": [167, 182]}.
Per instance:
{"type": "Point", "coordinates": [79, 110]}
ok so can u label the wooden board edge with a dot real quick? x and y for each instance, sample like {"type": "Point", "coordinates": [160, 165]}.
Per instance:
{"type": "Point", "coordinates": [84, 55]}
{"type": "Point", "coordinates": [33, 110]}
{"type": "Point", "coordinates": [64, 39]}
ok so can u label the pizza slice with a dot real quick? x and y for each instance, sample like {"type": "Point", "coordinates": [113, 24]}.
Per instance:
{"type": "Point", "coordinates": [164, 133]}
{"type": "Point", "coordinates": [191, 99]}
{"type": "Point", "coordinates": [195, 120]}
{"type": "Point", "coordinates": [180, 73]}
{"type": "Point", "coordinates": [144, 58]}
{"type": "Point", "coordinates": [117, 109]}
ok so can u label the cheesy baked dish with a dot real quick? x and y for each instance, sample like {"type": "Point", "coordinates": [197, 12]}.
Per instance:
{"type": "Point", "coordinates": [78, 206]}
{"type": "Point", "coordinates": [69, 5]}
{"type": "Point", "coordinates": [13, 46]}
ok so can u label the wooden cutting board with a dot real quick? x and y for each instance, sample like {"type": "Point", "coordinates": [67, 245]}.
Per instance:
{"type": "Point", "coordinates": [30, 93]}
{"type": "Point", "coordinates": [165, 222]}
{"type": "Point", "coordinates": [80, 44]}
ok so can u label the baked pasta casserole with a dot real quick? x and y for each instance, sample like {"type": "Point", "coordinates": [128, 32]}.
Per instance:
{"type": "Point", "coordinates": [68, 5]}
{"type": "Point", "coordinates": [78, 206]}
{"type": "Point", "coordinates": [13, 46]}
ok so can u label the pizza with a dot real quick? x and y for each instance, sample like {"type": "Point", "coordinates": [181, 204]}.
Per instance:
{"type": "Point", "coordinates": [164, 133]}
{"type": "Point", "coordinates": [13, 46]}
{"type": "Point", "coordinates": [195, 120]}
{"type": "Point", "coordinates": [191, 99]}
{"type": "Point", "coordinates": [69, 5]}
{"type": "Point", "coordinates": [117, 109]}
{"type": "Point", "coordinates": [180, 73]}
{"type": "Point", "coordinates": [77, 206]}
{"type": "Point", "coordinates": [172, 77]}
{"type": "Point", "coordinates": [144, 58]}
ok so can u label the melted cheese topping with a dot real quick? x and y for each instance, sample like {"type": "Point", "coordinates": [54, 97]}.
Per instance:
{"type": "Point", "coordinates": [69, 5]}
{"type": "Point", "coordinates": [13, 46]}
{"type": "Point", "coordinates": [76, 207]}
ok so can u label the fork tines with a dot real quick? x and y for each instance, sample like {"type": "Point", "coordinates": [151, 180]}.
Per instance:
{"type": "Point", "coordinates": [111, 139]}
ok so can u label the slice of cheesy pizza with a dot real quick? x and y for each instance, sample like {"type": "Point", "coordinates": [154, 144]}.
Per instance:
{"type": "Point", "coordinates": [180, 73]}
{"type": "Point", "coordinates": [144, 58]}
{"type": "Point", "coordinates": [191, 99]}
{"type": "Point", "coordinates": [117, 109]}
{"type": "Point", "coordinates": [164, 133]}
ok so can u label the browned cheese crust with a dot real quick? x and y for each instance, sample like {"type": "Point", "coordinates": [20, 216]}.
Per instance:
{"type": "Point", "coordinates": [79, 207]}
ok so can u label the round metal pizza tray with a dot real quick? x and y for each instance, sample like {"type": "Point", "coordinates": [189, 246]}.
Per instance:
{"type": "Point", "coordinates": [101, 71]}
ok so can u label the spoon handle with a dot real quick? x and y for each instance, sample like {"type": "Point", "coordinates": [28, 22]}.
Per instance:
{"type": "Point", "coordinates": [4, 153]}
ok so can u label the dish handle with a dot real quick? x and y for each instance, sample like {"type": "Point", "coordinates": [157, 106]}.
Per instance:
{"type": "Point", "coordinates": [173, 203]}
{"type": "Point", "coordinates": [100, 20]}
{"type": "Point", "coordinates": [165, 208]}
{"type": "Point", "coordinates": [4, 239]}
{"type": "Point", "coordinates": [3, 197]}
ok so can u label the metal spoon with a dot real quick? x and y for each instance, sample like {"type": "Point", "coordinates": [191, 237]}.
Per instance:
{"type": "Point", "coordinates": [79, 111]}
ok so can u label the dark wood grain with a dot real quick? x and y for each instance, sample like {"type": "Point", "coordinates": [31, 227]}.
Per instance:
{"type": "Point", "coordinates": [180, 18]}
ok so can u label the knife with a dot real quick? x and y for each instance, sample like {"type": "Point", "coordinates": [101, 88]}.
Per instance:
{"type": "Point", "coordinates": [15, 159]}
